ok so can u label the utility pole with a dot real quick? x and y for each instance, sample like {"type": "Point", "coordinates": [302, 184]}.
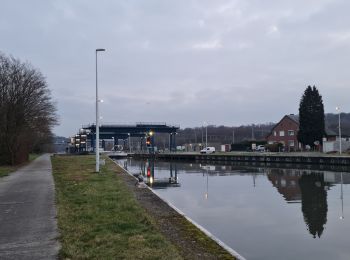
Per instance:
{"type": "Point", "coordinates": [206, 134]}
{"type": "Point", "coordinates": [202, 134]}
{"type": "Point", "coordinates": [97, 145]}
{"type": "Point", "coordinates": [340, 150]}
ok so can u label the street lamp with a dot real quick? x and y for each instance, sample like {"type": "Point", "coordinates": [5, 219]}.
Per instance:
{"type": "Point", "coordinates": [206, 134]}
{"type": "Point", "coordinates": [129, 143]}
{"type": "Point", "coordinates": [338, 109]}
{"type": "Point", "coordinates": [97, 145]}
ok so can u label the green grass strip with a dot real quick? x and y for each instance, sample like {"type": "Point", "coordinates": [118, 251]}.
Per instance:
{"type": "Point", "coordinates": [99, 218]}
{"type": "Point", "coordinates": [7, 169]}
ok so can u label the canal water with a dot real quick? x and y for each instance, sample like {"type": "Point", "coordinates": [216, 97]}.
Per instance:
{"type": "Point", "coordinates": [261, 212]}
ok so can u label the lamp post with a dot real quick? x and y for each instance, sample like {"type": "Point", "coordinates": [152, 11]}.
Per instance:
{"type": "Point", "coordinates": [206, 134]}
{"type": "Point", "coordinates": [338, 109]}
{"type": "Point", "coordinates": [129, 143]}
{"type": "Point", "coordinates": [97, 145]}
{"type": "Point", "coordinates": [233, 136]}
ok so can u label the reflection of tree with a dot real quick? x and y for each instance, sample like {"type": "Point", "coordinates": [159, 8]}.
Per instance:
{"type": "Point", "coordinates": [314, 202]}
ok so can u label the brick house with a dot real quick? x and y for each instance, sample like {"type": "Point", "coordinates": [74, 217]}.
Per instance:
{"type": "Point", "coordinates": [285, 132]}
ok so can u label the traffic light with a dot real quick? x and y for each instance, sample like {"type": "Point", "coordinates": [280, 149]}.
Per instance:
{"type": "Point", "coordinates": [148, 141]}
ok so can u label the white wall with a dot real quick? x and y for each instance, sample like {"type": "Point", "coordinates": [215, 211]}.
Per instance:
{"type": "Point", "coordinates": [333, 146]}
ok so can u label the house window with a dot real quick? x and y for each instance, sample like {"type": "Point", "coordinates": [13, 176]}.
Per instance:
{"type": "Point", "coordinates": [281, 133]}
{"type": "Point", "coordinates": [283, 183]}
{"type": "Point", "coordinates": [290, 142]}
{"type": "Point", "coordinates": [274, 133]}
{"type": "Point", "coordinates": [290, 133]}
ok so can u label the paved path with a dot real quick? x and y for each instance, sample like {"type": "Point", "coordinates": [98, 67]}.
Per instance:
{"type": "Point", "coordinates": [28, 227]}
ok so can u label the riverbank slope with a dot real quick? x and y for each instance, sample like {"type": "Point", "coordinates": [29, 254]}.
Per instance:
{"type": "Point", "coordinates": [108, 215]}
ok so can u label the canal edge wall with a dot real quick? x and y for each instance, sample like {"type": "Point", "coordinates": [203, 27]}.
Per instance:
{"type": "Point", "coordinates": [201, 228]}
{"type": "Point", "coordinates": [316, 160]}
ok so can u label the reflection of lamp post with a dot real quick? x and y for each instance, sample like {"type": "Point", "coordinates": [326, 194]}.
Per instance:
{"type": "Point", "coordinates": [338, 109]}
{"type": "Point", "coordinates": [207, 192]}
{"type": "Point", "coordinates": [341, 196]}
{"type": "Point", "coordinates": [97, 145]}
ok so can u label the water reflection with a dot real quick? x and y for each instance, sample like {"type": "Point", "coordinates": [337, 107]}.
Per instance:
{"type": "Point", "coordinates": [286, 183]}
{"type": "Point", "coordinates": [145, 171]}
{"type": "Point", "coordinates": [314, 202]}
{"type": "Point", "coordinates": [235, 200]}
{"type": "Point", "coordinates": [206, 169]}
{"type": "Point", "coordinates": [341, 196]}
{"type": "Point", "coordinates": [310, 188]}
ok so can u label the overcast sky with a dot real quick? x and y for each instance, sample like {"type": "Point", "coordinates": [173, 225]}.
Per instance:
{"type": "Point", "coordinates": [182, 61]}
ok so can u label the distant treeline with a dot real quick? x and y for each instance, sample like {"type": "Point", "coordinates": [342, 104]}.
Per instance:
{"type": "Point", "coordinates": [226, 134]}
{"type": "Point", "coordinates": [333, 119]}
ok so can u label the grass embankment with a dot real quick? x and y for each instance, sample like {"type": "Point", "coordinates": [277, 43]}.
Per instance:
{"type": "Point", "coordinates": [99, 218]}
{"type": "Point", "coordinates": [7, 169]}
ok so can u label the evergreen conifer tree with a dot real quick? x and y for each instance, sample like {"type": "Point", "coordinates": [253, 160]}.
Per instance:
{"type": "Point", "coordinates": [311, 117]}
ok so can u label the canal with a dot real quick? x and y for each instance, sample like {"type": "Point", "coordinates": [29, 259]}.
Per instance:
{"type": "Point", "coordinates": [261, 212]}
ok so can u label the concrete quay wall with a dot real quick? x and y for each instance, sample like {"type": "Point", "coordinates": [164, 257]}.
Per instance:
{"type": "Point", "coordinates": [258, 158]}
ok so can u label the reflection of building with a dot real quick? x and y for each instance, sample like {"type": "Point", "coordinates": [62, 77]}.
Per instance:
{"type": "Point", "coordinates": [286, 182]}
{"type": "Point", "coordinates": [308, 187]}
{"type": "Point", "coordinates": [147, 170]}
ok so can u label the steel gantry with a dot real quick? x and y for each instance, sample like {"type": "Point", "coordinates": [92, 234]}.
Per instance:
{"type": "Point", "coordinates": [124, 131]}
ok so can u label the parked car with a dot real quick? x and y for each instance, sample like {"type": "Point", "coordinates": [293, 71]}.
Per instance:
{"type": "Point", "coordinates": [208, 150]}
{"type": "Point", "coordinates": [260, 148]}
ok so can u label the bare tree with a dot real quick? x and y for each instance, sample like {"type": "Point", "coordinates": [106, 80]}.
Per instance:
{"type": "Point", "coordinates": [27, 113]}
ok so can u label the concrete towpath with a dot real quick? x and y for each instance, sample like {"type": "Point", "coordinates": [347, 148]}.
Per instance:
{"type": "Point", "coordinates": [28, 227]}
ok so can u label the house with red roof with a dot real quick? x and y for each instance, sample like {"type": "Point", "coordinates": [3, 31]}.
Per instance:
{"type": "Point", "coordinates": [285, 132]}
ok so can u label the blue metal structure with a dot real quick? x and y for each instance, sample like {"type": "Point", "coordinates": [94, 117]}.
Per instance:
{"type": "Point", "coordinates": [140, 129]}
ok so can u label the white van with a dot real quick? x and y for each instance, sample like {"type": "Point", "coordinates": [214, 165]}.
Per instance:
{"type": "Point", "coordinates": [208, 150]}
{"type": "Point", "coordinates": [260, 148]}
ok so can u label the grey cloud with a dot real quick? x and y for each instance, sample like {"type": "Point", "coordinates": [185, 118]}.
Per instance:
{"type": "Point", "coordinates": [166, 60]}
